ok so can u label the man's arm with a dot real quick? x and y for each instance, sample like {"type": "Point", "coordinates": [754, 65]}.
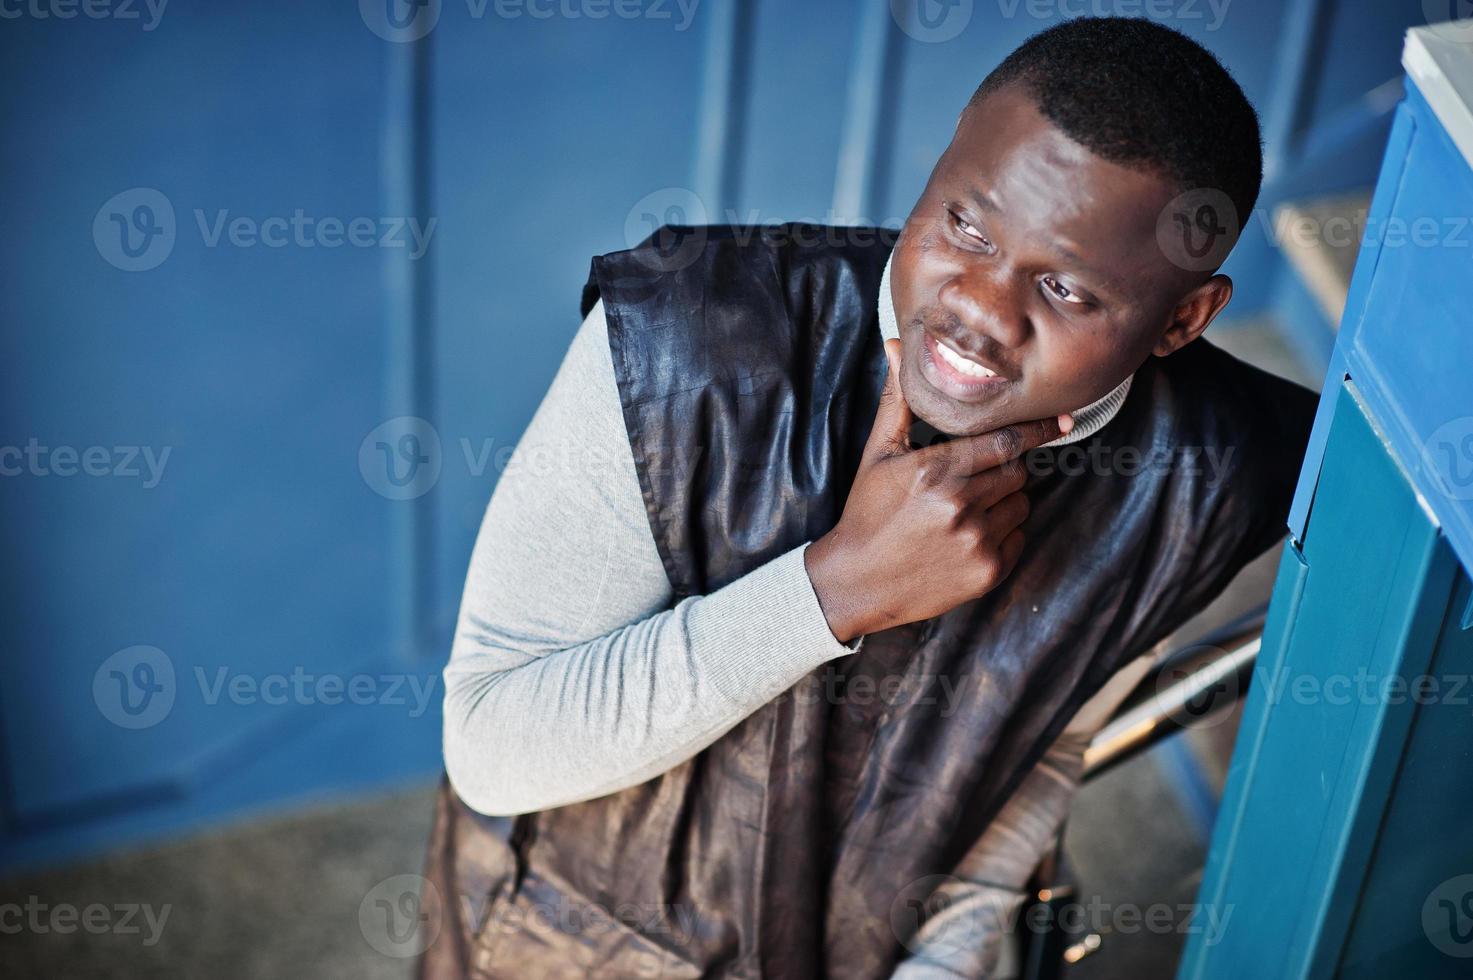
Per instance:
{"type": "Point", "coordinates": [975, 912]}
{"type": "Point", "coordinates": [569, 678]}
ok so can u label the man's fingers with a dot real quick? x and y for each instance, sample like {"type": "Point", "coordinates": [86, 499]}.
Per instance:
{"type": "Point", "coordinates": [890, 434]}
{"type": "Point", "coordinates": [969, 455]}
{"type": "Point", "coordinates": [985, 489]}
{"type": "Point", "coordinates": [1004, 516]}
{"type": "Point", "coordinates": [1011, 550]}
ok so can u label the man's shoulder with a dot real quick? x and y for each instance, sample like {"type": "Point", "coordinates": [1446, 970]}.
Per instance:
{"type": "Point", "coordinates": [794, 237]}
{"type": "Point", "coordinates": [1212, 384]}
{"type": "Point", "coordinates": [1255, 422]}
{"type": "Point", "coordinates": [731, 309]}
{"type": "Point", "coordinates": [683, 263]}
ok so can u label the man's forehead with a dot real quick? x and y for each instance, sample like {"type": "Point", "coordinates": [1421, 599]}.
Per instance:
{"type": "Point", "coordinates": [1006, 139]}
{"type": "Point", "coordinates": [1008, 159]}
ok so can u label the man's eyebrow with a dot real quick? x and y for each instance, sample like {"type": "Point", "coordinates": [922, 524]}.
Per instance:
{"type": "Point", "coordinates": [984, 199]}
{"type": "Point", "coordinates": [1093, 277]}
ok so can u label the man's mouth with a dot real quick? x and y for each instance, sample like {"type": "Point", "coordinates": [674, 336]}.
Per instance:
{"type": "Point", "coordinates": [955, 374]}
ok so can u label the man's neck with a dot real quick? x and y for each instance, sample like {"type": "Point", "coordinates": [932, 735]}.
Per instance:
{"type": "Point", "coordinates": [1087, 420]}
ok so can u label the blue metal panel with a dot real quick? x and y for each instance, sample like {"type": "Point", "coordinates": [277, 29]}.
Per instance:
{"type": "Point", "coordinates": [553, 140]}
{"type": "Point", "coordinates": [258, 368]}
{"type": "Point", "coordinates": [1317, 756]}
{"type": "Point", "coordinates": [803, 70]}
{"type": "Point", "coordinates": [1407, 345]}
{"type": "Point", "coordinates": [1383, 201]}
{"type": "Point", "coordinates": [1373, 30]}
{"type": "Point", "coordinates": [1411, 919]}
{"type": "Point", "coordinates": [1410, 349]}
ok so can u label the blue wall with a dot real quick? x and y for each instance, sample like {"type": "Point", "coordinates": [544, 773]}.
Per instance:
{"type": "Point", "coordinates": [301, 540]}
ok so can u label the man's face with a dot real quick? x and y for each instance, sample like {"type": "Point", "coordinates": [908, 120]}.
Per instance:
{"type": "Point", "coordinates": [1034, 258]}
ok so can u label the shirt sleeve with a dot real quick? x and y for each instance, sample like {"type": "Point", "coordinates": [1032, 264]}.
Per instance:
{"type": "Point", "coordinates": [571, 675]}
{"type": "Point", "coordinates": [972, 915]}
{"type": "Point", "coordinates": [977, 911]}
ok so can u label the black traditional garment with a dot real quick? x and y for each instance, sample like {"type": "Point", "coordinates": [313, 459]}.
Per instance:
{"type": "Point", "coordinates": [749, 364]}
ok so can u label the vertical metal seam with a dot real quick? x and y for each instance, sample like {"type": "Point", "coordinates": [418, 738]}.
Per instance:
{"type": "Point", "coordinates": [726, 77]}
{"type": "Point", "coordinates": [405, 156]}
{"type": "Point", "coordinates": [868, 128]}
{"type": "Point", "coordinates": [1299, 55]}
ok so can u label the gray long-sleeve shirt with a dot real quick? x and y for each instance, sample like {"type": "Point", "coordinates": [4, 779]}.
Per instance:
{"type": "Point", "coordinates": [572, 676]}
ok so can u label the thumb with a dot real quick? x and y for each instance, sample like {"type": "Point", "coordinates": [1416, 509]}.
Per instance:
{"type": "Point", "coordinates": [890, 434]}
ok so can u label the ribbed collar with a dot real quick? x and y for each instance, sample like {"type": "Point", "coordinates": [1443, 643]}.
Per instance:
{"type": "Point", "coordinates": [1087, 420]}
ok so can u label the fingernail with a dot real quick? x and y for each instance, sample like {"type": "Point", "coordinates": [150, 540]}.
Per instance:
{"type": "Point", "coordinates": [1066, 422]}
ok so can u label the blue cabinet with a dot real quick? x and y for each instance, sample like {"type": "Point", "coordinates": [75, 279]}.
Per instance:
{"type": "Point", "coordinates": [1343, 847]}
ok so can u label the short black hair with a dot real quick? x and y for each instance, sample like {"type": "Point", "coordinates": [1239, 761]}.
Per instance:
{"type": "Point", "coordinates": [1136, 92]}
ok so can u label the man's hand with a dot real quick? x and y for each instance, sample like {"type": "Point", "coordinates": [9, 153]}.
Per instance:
{"type": "Point", "coordinates": [923, 530]}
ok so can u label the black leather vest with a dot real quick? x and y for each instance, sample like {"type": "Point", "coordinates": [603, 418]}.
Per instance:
{"type": "Point", "coordinates": [800, 844]}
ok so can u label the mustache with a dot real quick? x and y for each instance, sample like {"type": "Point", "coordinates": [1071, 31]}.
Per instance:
{"type": "Point", "coordinates": [943, 324]}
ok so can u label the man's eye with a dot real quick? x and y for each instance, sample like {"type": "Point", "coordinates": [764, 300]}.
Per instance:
{"type": "Point", "coordinates": [968, 229]}
{"type": "Point", "coordinates": [1060, 290]}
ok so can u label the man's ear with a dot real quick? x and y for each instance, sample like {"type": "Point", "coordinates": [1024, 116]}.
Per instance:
{"type": "Point", "coordinates": [1192, 315]}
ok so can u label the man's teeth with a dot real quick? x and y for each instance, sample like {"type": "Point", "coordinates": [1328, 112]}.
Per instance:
{"type": "Point", "coordinates": [971, 368]}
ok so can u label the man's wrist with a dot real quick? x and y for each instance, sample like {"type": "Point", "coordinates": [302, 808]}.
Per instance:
{"type": "Point", "coordinates": [823, 561]}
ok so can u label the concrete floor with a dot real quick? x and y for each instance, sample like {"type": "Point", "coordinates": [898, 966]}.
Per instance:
{"type": "Point", "coordinates": [277, 898]}
{"type": "Point", "coordinates": [282, 898]}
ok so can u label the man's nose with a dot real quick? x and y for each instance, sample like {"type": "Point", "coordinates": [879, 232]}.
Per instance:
{"type": "Point", "coordinates": [987, 303]}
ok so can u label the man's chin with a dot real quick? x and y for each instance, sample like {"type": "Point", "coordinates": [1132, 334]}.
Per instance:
{"type": "Point", "coordinates": [951, 418]}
